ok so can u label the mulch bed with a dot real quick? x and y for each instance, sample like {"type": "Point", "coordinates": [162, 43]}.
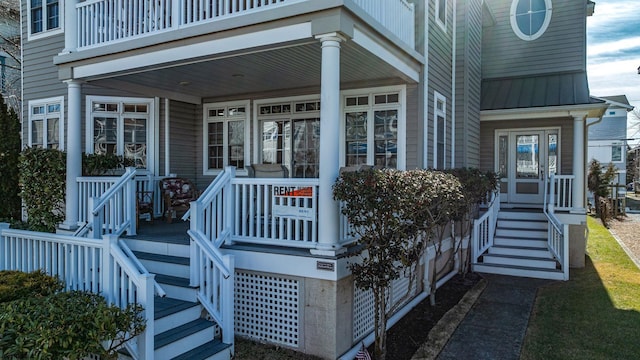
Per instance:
{"type": "Point", "coordinates": [408, 334]}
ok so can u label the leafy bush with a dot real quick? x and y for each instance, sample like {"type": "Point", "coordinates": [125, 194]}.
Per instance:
{"type": "Point", "coordinates": [42, 179]}
{"type": "Point", "coordinates": [66, 325]}
{"type": "Point", "coordinates": [16, 285]}
{"type": "Point", "coordinates": [101, 164]}
{"type": "Point", "coordinates": [10, 206]}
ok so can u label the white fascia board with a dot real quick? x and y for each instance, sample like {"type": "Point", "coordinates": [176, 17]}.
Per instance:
{"type": "Point", "coordinates": [292, 265]}
{"type": "Point", "coordinates": [390, 58]}
{"type": "Point", "coordinates": [542, 112]}
{"type": "Point", "coordinates": [208, 48]}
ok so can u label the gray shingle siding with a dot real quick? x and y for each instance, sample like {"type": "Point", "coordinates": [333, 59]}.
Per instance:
{"type": "Point", "coordinates": [610, 128]}
{"type": "Point", "coordinates": [504, 54]}
{"type": "Point", "coordinates": [468, 74]}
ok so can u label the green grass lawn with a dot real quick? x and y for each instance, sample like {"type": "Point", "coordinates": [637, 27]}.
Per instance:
{"type": "Point", "coordinates": [594, 315]}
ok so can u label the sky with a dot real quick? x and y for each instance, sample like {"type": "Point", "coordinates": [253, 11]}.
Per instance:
{"type": "Point", "coordinates": [613, 54]}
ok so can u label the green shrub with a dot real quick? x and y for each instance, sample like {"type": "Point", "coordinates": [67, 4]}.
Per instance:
{"type": "Point", "coordinates": [10, 206]}
{"type": "Point", "coordinates": [66, 325]}
{"type": "Point", "coordinates": [43, 178]}
{"type": "Point", "coordinates": [101, 164]}
{"type": "Point", "coordinates": [16, 285]}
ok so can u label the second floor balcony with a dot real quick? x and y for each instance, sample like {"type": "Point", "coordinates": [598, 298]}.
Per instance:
{"type": "Point", "coordinates": [100, 23]}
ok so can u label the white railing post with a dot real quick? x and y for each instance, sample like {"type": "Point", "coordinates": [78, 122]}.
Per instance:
{"type": "Point", "coordinates": [145, 296]}
{"type": "Point", "coordinates": [108, 268]}
{"type": "Point", "coordinates": [228, 301]}
{"type": "Point", "coordinates": [565, 251]}
{"type": "Point", "coordinates": [194, 264]}
{"type": "Point", "coordinates": [3, 244]}
{"type": "Point", "coordinates": [229, 196]}
{"type": "Point", "coordinates": [552, 193]}
{"type": "Point", "coordinates": [94, 219]}
{"type": "Point", "coordinates": [130, 202]}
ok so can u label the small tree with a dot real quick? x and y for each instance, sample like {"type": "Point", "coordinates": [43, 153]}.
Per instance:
{"type": "Point", "coordinates": [42, 179]}
{"type": "Point", "coordinates": [10, 206]}
{"type": "Point", "coordinates": [373, 203]}
{"type": "Point", "coordinates": [598, 183]}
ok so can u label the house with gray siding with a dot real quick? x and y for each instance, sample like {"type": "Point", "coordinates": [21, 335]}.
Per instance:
{"type": "Point", "coordinates": [608, 138]}
{"type": "Point", "coordinates": [10, 53]}
{"type": "Point", "coordinates": [260, 104]}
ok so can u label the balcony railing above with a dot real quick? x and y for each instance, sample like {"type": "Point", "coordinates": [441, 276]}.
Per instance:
{"type": "Point", "coordinates": [101, 22]}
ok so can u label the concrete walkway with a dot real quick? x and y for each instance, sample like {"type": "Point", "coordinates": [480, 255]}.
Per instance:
{"type": "Point", "coordinates": [494, 328]}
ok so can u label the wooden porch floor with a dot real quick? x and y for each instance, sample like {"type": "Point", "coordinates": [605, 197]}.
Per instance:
{"type": "Point", "coordinates": [176, 232]}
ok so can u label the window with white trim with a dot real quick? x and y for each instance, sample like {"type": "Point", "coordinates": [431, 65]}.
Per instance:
{"type": "Point", "coordinates": [224, 133]}
{"type": "Point", "coordinates": [530, 18]}
{"type": "Point", "coordinates": [371, 129]}
{"type": "Point", "coordinates": [44, 16]}
{"type": "Point", "coordinates": [442, 132]}
{"type": "Point", "coordinates": [441, 13]}
{"type": "Point", "coordinates": [46, 123]}
{"type": "Point", "coordinates": [290, 135]}
{"type": "Point", "coordinates": [120, 126]}
{"type": "Point", "coordinates": [616, 153]}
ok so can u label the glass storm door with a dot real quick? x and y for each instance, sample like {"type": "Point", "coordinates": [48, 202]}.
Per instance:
{"type": "Point", "coordinates": [524, 160]}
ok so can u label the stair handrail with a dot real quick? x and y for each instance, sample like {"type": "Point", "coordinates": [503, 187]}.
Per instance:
{"type": "Point", "coordinates": [121, 215]}
{"type": "Point", "coordinates": [141, 268]}
{"type": "Point", "coordinates": [557, 232]}
{"type": "Point", "coordinates": [484, 228]}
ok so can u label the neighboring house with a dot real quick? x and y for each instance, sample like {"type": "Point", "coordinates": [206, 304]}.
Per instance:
{"type": "Point", "coordinates": [10, 52]}
{"type": "Point", "coordinates": [608, 137]}
{"type": "Point", "coordinates": [206, 89]}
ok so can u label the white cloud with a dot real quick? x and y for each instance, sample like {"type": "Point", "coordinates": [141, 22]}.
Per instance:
{"type": "Point", "coordinates": [611, 47]}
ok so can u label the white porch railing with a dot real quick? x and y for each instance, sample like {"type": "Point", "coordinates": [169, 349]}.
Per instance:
{"type": "Point", "coordinates": [114, 211]}
{"type": "Point", "coordinates": [98, 266]}
{"type": "Point", "coordinates": [213, 273]}
{"type": "Point", "coordinates": [96, 186]}
{"type": "Point", "coordinates": [101, 22]}
{"type": "Point", "coordinates": [558, 233]}
{"type": "Point", "coordinates": [484, 228]}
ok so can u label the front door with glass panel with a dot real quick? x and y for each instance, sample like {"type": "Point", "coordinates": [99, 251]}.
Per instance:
{"type": "Point", "coordinates": [525, 158]}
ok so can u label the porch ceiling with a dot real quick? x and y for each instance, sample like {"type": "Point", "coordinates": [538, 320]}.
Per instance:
{"type": "Point", "coordinates": [290, 67]}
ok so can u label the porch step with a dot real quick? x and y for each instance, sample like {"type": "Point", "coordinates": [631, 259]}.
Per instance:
{"type": "Point", "coordinates": [522, 224]}
{"type": "Point", "coordinates": [164, 264]}
{"type": "Point", "coordinates": [541, 252]}
{"type": "Point", "coordinates": [522, 271]}
{"type": "Point", "coordinates": [173, 342]}
{"type": "Point", "coordinates": [520, 242]}
{"type": "Point", "coordinates": [524, 233]}
{"type": "Point", "coordinates": [519, 260]}
{"type": "Point", "coordinates": [517, 214]}
{"type": "Point", "coordinates": [177, 287]}
{"type": "Point", "coordinates": [160, 246]}
{"type": "Point", "coordinates": [169, 312]}
{"type": "Point", "coordinates": [213, 350]}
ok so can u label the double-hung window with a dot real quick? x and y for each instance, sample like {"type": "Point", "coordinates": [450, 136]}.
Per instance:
{"type": "Point", "coordinates": [46, 124]}
{"type": "Point", "coordinates": [290, 135]}
{"type": "Point", "coordinates": [121, 127]}
{"type": "Point", "coordinates": [442, 133]}
{"type": "Point", "coordinates": [616, 153]}
{"type": "Point", "coordinates": [225, 136]}
{"type": "Point", "coordinates": [44, 16]}
{"type": "Point", "coordinates": [372, 123]}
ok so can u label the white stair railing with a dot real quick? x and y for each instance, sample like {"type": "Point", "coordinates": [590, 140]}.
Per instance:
{"type": "Point", "coordinates": [557, 232]}
{"type": "Point", "coordinates": [96, 265]}
{"type": "Point", "coordinates": [211, 220]}
{"type": "Point", "coordinates": [114, 211]}
{"type": "Point", "coordinates": [484, 228]}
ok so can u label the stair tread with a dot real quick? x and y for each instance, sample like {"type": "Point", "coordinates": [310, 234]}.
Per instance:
{"type": "Point", "coordinates": [520, 238]}
{"type": "Point", "coordinates": [521, 257]}
{"type": "Point", "coordinates": [203, 351]}
{"type": "Point", "coordinates": [521, 247]}
{"type": "Point", "coordinates": [167, 306]}
{"type": "Point", "coordinates": [162, 258]}
{"type": "Point", "coordinates": [172, 280]}
{"type": "Point", "coordinates": [520, 229]}
{"type": "Point", "coordinates": [528, 268]}
{"type": "Point", "coordinates": [180, 332]}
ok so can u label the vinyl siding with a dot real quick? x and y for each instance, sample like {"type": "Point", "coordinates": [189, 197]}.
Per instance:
{"type": "Point", "coordinates": [440, 63]}
{"type": "Point", "coordinates": [610, 128]}
{"type": "Point", "coordinates": [468, 83]}
{"type": "Point", "coordinates": [414, 134]}
{"type": "Point", "coordinates": [561, 48]}
{"type": "Point", "coordinates": [487, 140]}
{"type": "Point", "coordinates": [185, 135]}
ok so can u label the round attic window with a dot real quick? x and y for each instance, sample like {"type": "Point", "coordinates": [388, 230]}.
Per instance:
{"type": "Point", "coordinates": [530, 18]}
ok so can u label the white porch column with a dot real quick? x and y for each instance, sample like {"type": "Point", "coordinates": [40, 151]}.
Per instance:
{"type": "Point", "coordinates": [579, 164]}
{"type": "Point", "coordinates": [70, 27]}
{"type": "Point", "coordinates": [328, 211]}
{"type": "Point", "coordinates": [74, 153]}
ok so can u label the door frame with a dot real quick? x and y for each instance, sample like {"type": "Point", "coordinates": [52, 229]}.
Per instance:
{"type": "Point", "coordinates": [508, 181]}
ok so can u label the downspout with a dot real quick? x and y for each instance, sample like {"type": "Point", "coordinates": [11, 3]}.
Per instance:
{"type": "Point", "coordinates": [425, 145]}
{"type": "Point", "coordinates": [453, 85]}
{"type": "Point", "coordinates": [167, 170]}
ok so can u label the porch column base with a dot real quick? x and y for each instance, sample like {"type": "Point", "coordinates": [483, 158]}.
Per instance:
{"type": "Point", "coordinates": [70, 226]}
